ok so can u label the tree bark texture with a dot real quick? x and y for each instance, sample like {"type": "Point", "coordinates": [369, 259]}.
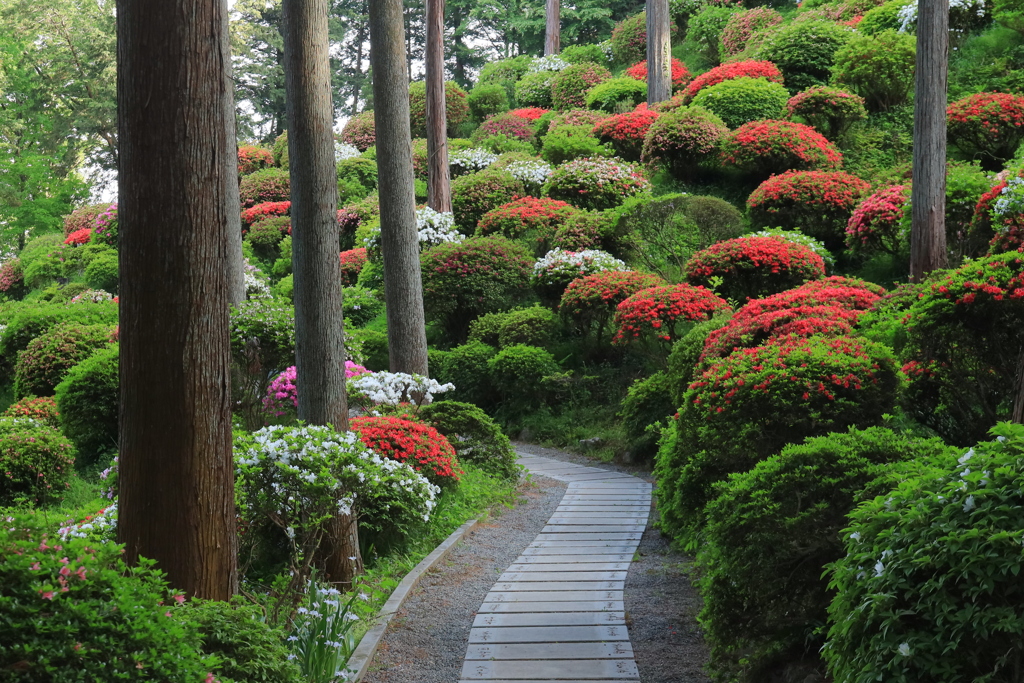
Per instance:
{"type": "Point", "coordinates": [552, 28]}
{"type": "Point", "coordinates": [319, 334]}
{"type": "Point", "coordinates": [176, 473]}
{"type": "Point", "coordinates": [928, 193]}
{"type": "Point", "coordinates": [439, 190]}
{"type": "Point", "coordinates": [403, 289]}
{"type": "Point", "coordinates": [236, 262]}
{"type": "Point", "coordinates": [659, 52]}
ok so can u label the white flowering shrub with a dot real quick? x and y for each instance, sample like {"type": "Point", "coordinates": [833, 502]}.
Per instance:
{"type": "Point", "coordinates": [95, 296]}
{"type": "Point", "coordinates": [963, 15]}
{"type": "Point", "coordinates": [797, 237]}
{"type": "Point", "coordinates": [100, 527]}
{"type": "Point", "coordinates": [391, 388]}
{"type": "Point", "coordinates": [532, 174]}
{"type": "Point", "coordinates": [463, 161]}
{"type": "Point", "coordinates": [257, 285]}
{"type": "Point", "coordinates": [558, 266]}
{"type": "Point", "coordinates": [433, 227]}
{"type": "Point", "coordinates": [1009, 205]}
{"type": "Point", "coordinates": [548, 63]}
{"type": "Point", "coordinates": [343, 151]}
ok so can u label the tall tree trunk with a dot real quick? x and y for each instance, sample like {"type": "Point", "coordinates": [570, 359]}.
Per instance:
{"type": "Point", "coordinates": [357, 87]}
{"type": "Point", "coordinates": [659, 52]}
{"type": "Point", "coordinates": [928, 193]}
{"type": "Point", "coordinates": [552, 28]}
{"type": "Point", "coordinates": [439, 190]}
{"type": "Point", "coordinates": [319, 351]}
{"type": "Point", "coordinates": [236, 262]}
{"type": "Point", "coordinates": [403, 288]}
{"type": "Point", "coordinates": [177, 477]}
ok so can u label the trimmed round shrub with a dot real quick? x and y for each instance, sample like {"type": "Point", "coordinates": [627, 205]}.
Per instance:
{"type": "Point", "coordinates": [534, 89]}
{"type": "Point", "coordinates": [880, 68]}
{"type": "Point", "coordinates": [29, 322]}
{"type": "Point", "coordinates": [266, 234]}
{"type": "Point", "coordinates": [505, 70]}
{"type": "Point", "coordinates": [465, 366]}
{"type": "Point", "coordinates": [927, 585]}
{"type": "Point", "coordinates": [103, 271]}
{"type": "Point", "coordinates": [683, 139]}
{"type": "Point", "coordinates": [567, 143]}
{"type": "Point", "coordinates": [83, 217]}
{"type": "Point", "coordinates": [507, 124]}
{"type": "Point", "coordinates": [665, 313]}
{"type": "Point", "coordinates": [486, 100]}
{"type": "Point", "coordinates": [680, 74]}
{"type": "Point", "coordinates": [360, 131]}
{"type": "Point", "coordinates": [553, 273]}
{"type": "Point", "coordinates": [252, 158]}
{"type": "Point", "coordinates": [629, 39]}
{"type": "Point", "coordinates": [589, 303]}
{"type": "Point", "coordinates": [875, 224]}
{"type": "Point", "coordinates": [616, 94]}
{"type": "Point", "coordinates": [762, 148]}
{"type": "Point", "coordinates": [804, 51]}
{"type": "Point", "coordinates": [817, 203]}
{"type": "Point", "coordinates": [462, 281]}
{"type": "Point", "coordinates": [357, 178]}
{"type": "Point", "coordinates": [474, 435]}
{"type": "Point", "coordinates": [416, 444]}
{"type": "Point", "coordinates": [885, 17]}
{"type": "Point", "coordinates": [704, 29]}
{"type": "Point", "coordinates": [752, 267]}
{"type": "Point", "coordinates": [742, 25]}
{"type": "Point", "coordinates": [772, 531]}
{"type": "Point", "coordinates": [569, 86]}
{"type": "Point", "coordinates": [455, 103]}
{"type": "Point", "coordinates": [352, 262]}
{"type": "Point", "coordinates": [574, 54]}
{"type": "Point", "coordinates": [817, 246]}
{"type": "Point", "coordinates": [79, 237]}
{"type": "Point", "coordinates": [534, 326]}
{"type": "Point", "coordinates": [626, 132]}
{"type": "Point", "coordinates": [963, 347]}
{"type": "Point", "coordinates": [589, 230]}
{"type": "Point", "coordinates": [740, 100]}
{"type": "Point", "coordinates": [42, 409]}
{"type": "Point", "coordinates": [266, 185]}
{"type": "Point", "coordinates": [475, 194]}
{"type": "Point", "coordinates": [594, 183]}
{"type": "Point", "coordinates": [36, 462]}
{"type": "Point", "coordinates": [12, 277]}
{"type": "Point", "coordinates": [797, 387]}
{"type": "Point", "coordinates": [987, 126]}
{"type": "Point", "coordinates": [529, 220]}
{"type": "Point", "coordinates": [725, 72]}
{"type": "Point", "coordinates": [837, 290]}
{"type": "Point", "coordinates": [89, 400]}
{"type": "Point", "coordinates": [518, 373]}
{"type": "Point", "coordinates": [48, 357]}
{"type": "Point", "coordinates": [830, 111]}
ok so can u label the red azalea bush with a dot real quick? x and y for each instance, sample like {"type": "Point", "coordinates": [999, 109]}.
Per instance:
{"type": "Point", "coordinates": [475, 194]}
{"type": "Point", "coordinates": [1003, 234]}
{"type": "Point", "coordinates": [839, 291]}
{"type": "Point", "coordinates": [570, 85]}
{"type": "Point", "coordinates": [742, 25]}
{"type": "Point", "coordinates": [752, 267]}
{"type": "Point", "coordinates": [987, 125]}
{"type": "Point", "coordinates": [528, 220]}
{"type": "Point", "coordinates": [627, 132]}
{"type": "Point", "coordinates": [267, 185]}
{"type": "Point", "coordinates": [595, 183]}
{"type": "Point", "coordinates": [360, 131]}
{"type": "Point", "coordinates": [529, 113]}
{"type": "Point", "coordinates": [265, 210]}
{"type": "Point", "coordinates": [509, 124]}
{"type": "Point", "coordinates": [662, 312]}
{"type": "Point", "coordinates": [762, 148]}
{"type": "Point", "coordinates": [418, 445]}
{"type": "Point", "coordinates": [352, 262]}
{"type": "Point", "coordinates": [816, 202]}
{"type": "Point", "coordinates": [874, 224]}
{"type": "Point", "coordinates": [830, 111]}
{"type": "Point", "coordinates": [683, 139]}
{"type": "Point", "coordinates": [83, 217]}
{"type": "Point", "coordinates": [12, 276]}
{"type": "Point", "coordinates": [680, 74]}
{"type": "Point", "coordinates": [79, 237]}
{"type": "Point", "coordinates": [252, 158]}
{"type": "Point", "coordinates": [43, 409]}
{"type": "Point", "coordinates": [746, 69]}
{"type": "Point", "coordinates": [589, 302]}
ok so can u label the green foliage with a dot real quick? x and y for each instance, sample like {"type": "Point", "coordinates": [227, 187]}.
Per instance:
{"type": "Point", "coordinates": [534, 326]}
{"type": "Point", "coordinates": [465, 366]}
{"type": "Point", "coordinates": [772, 530]}
{"type": "Point", "coordinates": [534, 89]}
{"type": "Point", "coordinates": [505, 70]}
{"type": "Point", "coordinates": [684, 140]}
{"type": "Point", "coordinates": [804, 51]}
{"type": "Point", "coordinates": [518, 373]}
{"type": "Point", "coordinates": [357, 178]}
{"type": "Point", "coordinates": [629, 39]}
{"type": "Point", "coordinates": [279, 151]}
{"type": "Point", "coordinates": [569, 86]}
{"type": "Point", "coordinates": [885, 17]}
{"type": "Point", "coordinates": [617, 94]}
{"type": "Point", "coordinates": [28, 322]}
{"type": "Point", "coordinates": [475, 194]}
{"type": "Point", "coordinates": [263, 330]}
{"type": "Point", "coordinates": [360, 305]}
{"type": "Point", "coordinates": [566, 143]}
{"type": "Point", "coordinates": [685, 355]}
{"type": "Point", "coordinates": [644, 410]}
{"type": "Point", "coordinates": [89, 401]}
{"type": "Point", "coordinates": [36, 462]}
{"type": "Point", "coordinates": [456, 107]}
{"type": "Point", "coordinates": [475, 436]}
{"type": "Point", "coordinates": [105, 621]}
{"type": "Point", "coordinates": [574, 54]}
{"type": "Point", "coordinates": [486, 100]}
{"type": "Point", "coordinates": [705, 29]}
{"type": "Point", "coordinates": [102, 271]}
{"type": "Point", "coordinates": [48, 357]}
{"type": "Point", "coordinates": [830, 111]}
{"type": "Point", "coordinates": [1009, 13]}
{"type": "Point", "coordinates": [929, 587]}
{"type": "Point", "coordinates": [739, 100]}
{"type": "Point", "coordinates": [879, 68]}
{"type": "Point", "coordinates": [266, 185]}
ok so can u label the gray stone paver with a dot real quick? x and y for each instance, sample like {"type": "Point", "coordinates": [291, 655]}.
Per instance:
{"type": "Point", "coordinates": [556, 613]}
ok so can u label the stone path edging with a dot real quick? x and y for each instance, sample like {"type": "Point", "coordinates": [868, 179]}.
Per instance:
{"type": "Point", "coordinates": [363, 655]}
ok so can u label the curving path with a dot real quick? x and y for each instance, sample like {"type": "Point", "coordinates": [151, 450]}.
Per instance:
{"type": "Point", "coordinates": [556, 614]}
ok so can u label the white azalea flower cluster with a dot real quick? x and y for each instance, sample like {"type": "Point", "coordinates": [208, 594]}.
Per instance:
{"type": "Point", "coordinates": [464, 161]}
{"type": "Point", "coordinates": [100, 526]}
{"type": "Point", "coordinates": [548, 63]}
{"type": "Point", "coordinates": [392, 388]}
{"type": "Point", "coordinates": [344, 151]}
{"type": "Point", "coordinates": [95, 296]}
{"type": "Point", "coordinates": [558, 267]}
{"type": "Point", "coordinates": [606, 48]}
{"type": "Point", "coordinates": [531, 173]}
{"type": "Point", "coordinates": [1010, 203]}
{"type": "Point", "coordinates": [907, 15]}
{"type": "Point", "coordinates": [256, 284]}
{"type": "Point", "coordinates": [434, 227]}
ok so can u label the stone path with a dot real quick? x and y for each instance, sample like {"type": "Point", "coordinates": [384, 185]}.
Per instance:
{"type": "Point", "coordinates": [557, 614]}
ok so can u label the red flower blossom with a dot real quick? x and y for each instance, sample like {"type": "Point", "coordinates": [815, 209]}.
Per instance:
{"type": "Point", "coordinates": [420, 446]}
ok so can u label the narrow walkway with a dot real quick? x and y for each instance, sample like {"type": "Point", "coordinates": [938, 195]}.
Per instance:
{"type": "Point", "coordinates": [557, 614]}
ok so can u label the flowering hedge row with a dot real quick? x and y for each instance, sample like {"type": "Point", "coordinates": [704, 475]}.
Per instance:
{"type": "Point", "coordinates": [265, 210]}
{"type": "Point", "coordinates": [589, 302]}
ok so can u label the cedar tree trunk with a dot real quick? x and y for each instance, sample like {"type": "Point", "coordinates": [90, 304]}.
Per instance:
{"type": "Point", "coordinates": [552, 28]}
{"type": "Point", "coordinates": [659, 52]}
{"type": "Point", "coordinates": [439, 190]}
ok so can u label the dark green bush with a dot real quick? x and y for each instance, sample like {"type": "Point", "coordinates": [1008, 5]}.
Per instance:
{"type": "Point", "coordinates": [771, 532]}
{"type": "Point", "coordinates": [486, 100]}
{"type": "Point", "coordinates": [574, 54]}
{"type": "Point", "coordinates": [739, 100]}
{"type": "Point", "coordinates": [28, 322]}
{"type": "Point", "coordinates": [534, 326]}
{"type": "Point", "coordinates": [360, 305]}
{"type": "Point", "coordinates": [684, 141]}
{"type": "Point", "coordinates": [534, 89]}
{"type": "Point", "coordinates": [89, 401]}
{"type": "Point", "coordinates": [644, 410]}
{"type": "Point", "coordinates": [280, 150]}
{"type": "Point", "coordinates": [36, 462]}
{"type": "Point", "coordinates": [682, 360]}
{"type": "Point", "coordinates": [617, 94]}
{"type": "Point", "coordinates": [456, 107]}
{"type": "Point", "coordinates": [475, 436]}
{"type": "Point", "coordinates": [879, 68]}
{"type": "Point", "coordinates": [466, 367]}
{"type": "Point", "coordinates": [102, 272]}
{"type": "Point", "coordinates": [885, 17]}
{"type": "Point", "coordinates": [505, 70]}
{"type": "Point", "coordinates": [475, 194]}
{"type": "Point", "coordinates": [357, 178]}
{"type": "Point", "coordinates": [804, 51]}
{"type": "Point", "coordinates": [518, 373]}
{"type": "Point", "coordinates": [48, 357]}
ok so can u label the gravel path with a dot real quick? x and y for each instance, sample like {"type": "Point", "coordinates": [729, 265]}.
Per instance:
{"type": "Point", "coordinates": [426, 642]}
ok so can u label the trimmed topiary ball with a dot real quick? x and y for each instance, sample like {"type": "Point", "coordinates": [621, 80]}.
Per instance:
{"type": "Point", "coordinates": [745, 69]}
{"type": "Point", "coordinates": [740, 100]}
{"type": "Point", "coordinates": [265, 210]}
{"type": "Point", "coordinates": [595, 183]}
{"type": "Point", "coordinates": [89, 401]}
{"type": "Point", "coordinates": [763, 148]}
{"type": "Point", "coordinates": [665, 313]}
{"type": "Point", "coordinates": [455, 102]}
{"type": "Point", "coordinates": [487, 100]}
{"type": "Point", "coordinates": [252, 158]}
{"type": "Point", "coordinates": [267, 185]}
{"type": "Point", "coordinates": [504, 124]}
{"type": "Point", "coordinates": [617, 94]}
{"type": "Point", "coordinates": [83, 217]}
{"type": "Point", "coordinates": [474, 435]}
{"type": "Point", "coordinates": [626, 132]}
{"type": "Point", "coordinates": [752, 267]}
{"type": "Point", "coordinates": [804, 51]}
{"type": "Point", "coordinates": [48, 357]}
{"type": "Point", "coordinates": [42, 409]}
{"type": "Point", "coordinates": [475, 194]}
{"type": "Point", "coordinates": [529, 220]}
{"type": "Point", "coordinates": [880, 68]}
{"type": "Point", "coordinates": [553, 273]}
{"type": "Point", "coordinates": [360, 131]}
{"type": "Point", "coordinates": [817, 203]}
{"type": "Point", "coordinates": [36, 462]}
{"type": "Point", "coordinates": [518, 372]}
{"type": "Point", "coordinates": [590, 230]}
{"type": "Point", "coordinates": [570, 86]}
{"type": "Point", "coordinates": [629, 39]}
{"type": "Point", "coordinates": [704, 29]}
{"type": "Point", "coordinates": [684, 139]}
{"type": "Point", "coordinates": [534, 89]}
{"type": "Point", "coordinates": [875, 224]}
{"type": "Point", "coordinates": [830, 111]}
{"type": "Point", "coordinates": [589, 303]}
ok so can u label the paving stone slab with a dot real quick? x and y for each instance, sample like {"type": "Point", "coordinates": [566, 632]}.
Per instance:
{"type": "Point", "coordinates": [505, 587]}
{"type": "Point", "coordinates": [532, 607]}
{"type": "Point", "coordinates": [511, 651]}
{"type": "Point", "coordinates": [568, 567]}
{"type": "Point", "coordinates": [588, 519]}
{"type": "Point", "coordinates": [579, 547]}
{"type": "Point", "coordinates": [492, 619]}
{"type": "Point", "coordinates": [509, 577]}
{"type": "Point", "coordinates": [552, 669]}
{"type": "Point", "coordinates": [594, 507]}
{"type": "Point", "coordinates": [577, 536]}
{"type": "Point", "coordinates": [595, 477]}
{"type": "Point", "coordinates": [548, 634]}
{"type": "Point", "coordinates": [593, 528]}
{"type": "Point", "coordinates": [607, 499]}
{"type": "Point", "coordinates": [553, 596]}
{"type": "Point", "coordinates": [584, 559]}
